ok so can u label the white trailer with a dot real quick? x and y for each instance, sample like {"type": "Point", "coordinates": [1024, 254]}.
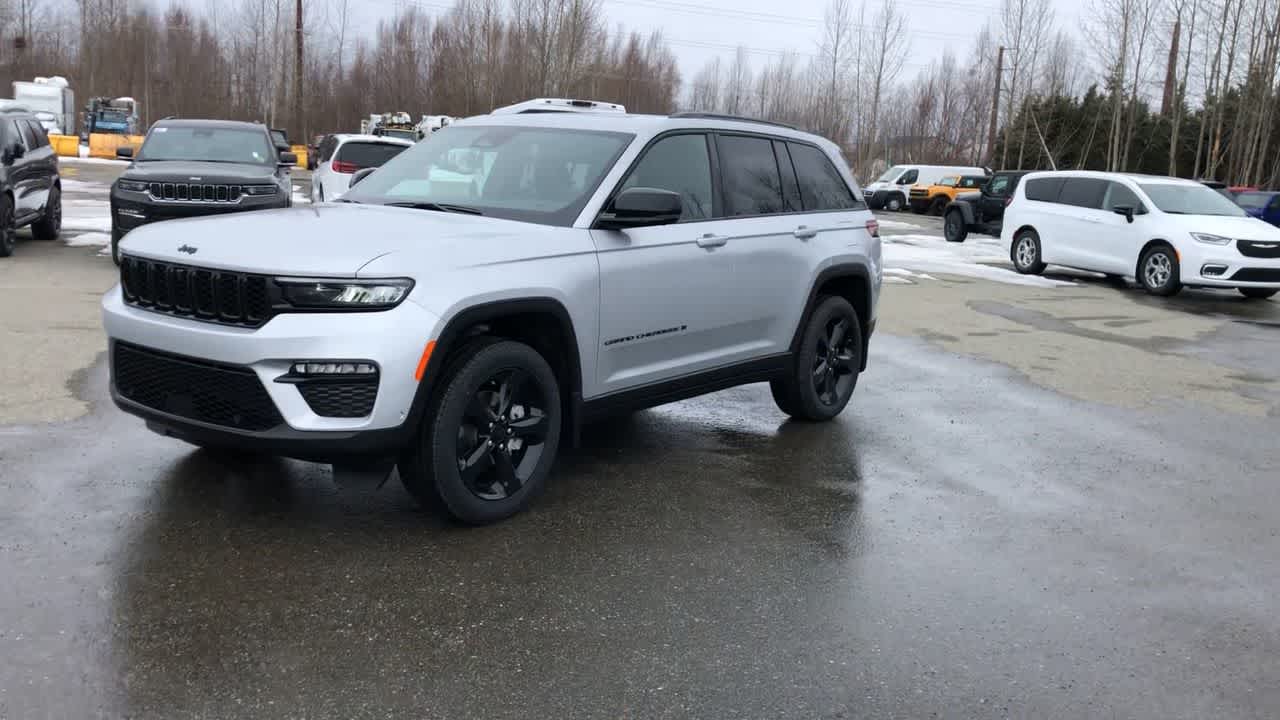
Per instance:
{"type": "Point", "coordinates": [52, 102]}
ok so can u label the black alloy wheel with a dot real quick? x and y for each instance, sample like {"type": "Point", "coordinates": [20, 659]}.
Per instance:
{"type": "Point", "coordinates": [836, 362]}
{"type": "Point", "coordinates": [824, 372]}
{"type": "Point", "coordinates": [503, 435]}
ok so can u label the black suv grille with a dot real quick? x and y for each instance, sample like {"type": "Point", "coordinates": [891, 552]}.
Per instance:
{"type": "Point", "coordinates": [1250, 248]}
{"type": "Point", "coordinates": [189, 192]}
{"type": "Point", "coordinates": [212, 295]}
{"type": "Point", "coordinates": [1257, 275]}
{"type": "Point", "coordinates": [340, 399]}
{"type": "Point", "coordinates": [224, 395]}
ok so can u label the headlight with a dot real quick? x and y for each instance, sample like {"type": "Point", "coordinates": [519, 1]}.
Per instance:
{"type": "Point", "coordinates": [350, 294]}
{"type": "Point", "coordinates": [132, 185]}
{"type": "Point", "coordinates": [260, 190]}
{"type": "Point", "coordinates": [1211, 239]}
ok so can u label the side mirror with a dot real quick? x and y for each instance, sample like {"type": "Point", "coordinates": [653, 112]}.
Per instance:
{"type": "Point", "coordinates": [288, 158]}
{"type": "Point", "coordinates": [359, 175]}
{"type": "Point", "coordinates": [640, 206]}
{"type": "Point", "coordinates": [124, 152]}
{"type": "Point", "coordinates": [1125, 210]}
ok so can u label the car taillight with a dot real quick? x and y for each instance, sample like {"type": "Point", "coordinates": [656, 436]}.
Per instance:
{"type": "Point", "coordinates": [341, 166]}
{"type": "Point", "coordinates": [873, 228]}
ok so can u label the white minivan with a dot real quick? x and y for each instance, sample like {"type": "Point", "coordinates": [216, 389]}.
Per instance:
{"type": "Point", "coordinates": [341, 156]}
{"type": "Point", "coordinates": [891, 189]}
{"type": "Point", "coordinates": [1165, 232]}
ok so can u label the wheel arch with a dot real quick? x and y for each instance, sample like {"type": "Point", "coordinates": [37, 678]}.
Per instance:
{"type": "Point", "coordinates": [1153, 242]}
{"type": "Point", "coordinates": [540, 322]}
{"type": "Point", "coordinates": [964, 207]}
{"type": "Point", "coordinates": [851, 281]}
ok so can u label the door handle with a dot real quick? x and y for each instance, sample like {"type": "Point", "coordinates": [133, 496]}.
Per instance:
{"type": "Point", "coordinates": [710, 240]}
{"type": "Point", "coordinates": [804, 232]}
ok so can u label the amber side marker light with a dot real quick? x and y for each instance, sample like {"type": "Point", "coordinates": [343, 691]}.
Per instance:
{"type": "Point", "coordinates": [422, 362]}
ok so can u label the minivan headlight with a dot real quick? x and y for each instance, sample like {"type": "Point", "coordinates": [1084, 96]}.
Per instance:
{"type": "Point", "coordinates": [378, 294]}
{"type": "Point", "coordinates": [1209, 239]}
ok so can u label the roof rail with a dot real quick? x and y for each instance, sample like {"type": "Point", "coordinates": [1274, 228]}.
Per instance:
{"type": "Point", "coordinates": [735, 118]}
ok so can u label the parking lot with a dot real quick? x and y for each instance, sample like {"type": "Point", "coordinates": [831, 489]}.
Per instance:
{"type": "Point", "coordinates": [1050, 497]}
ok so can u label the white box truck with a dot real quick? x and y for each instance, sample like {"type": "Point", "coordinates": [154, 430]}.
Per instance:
{"type": "Point", "coordinates": [52, 102]}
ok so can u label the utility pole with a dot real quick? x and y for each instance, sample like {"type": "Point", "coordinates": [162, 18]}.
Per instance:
{"type": "Point", "coordinates": [995, 109]}
{"type": "Point", "coordinates": [298, 122]}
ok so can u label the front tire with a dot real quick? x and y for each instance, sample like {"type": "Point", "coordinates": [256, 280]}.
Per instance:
{"type": "Point", "coordinates": [1159, 272]}
{"type": "Point", "coordinates": [893, 203]}
{"type": "Point", "coordinates": [824, 373]}
{"type": "Point", "coordinates": [1025, 253]}
{"type": "Point", "coordinates": [937, 206]}
{"type": "Point", "coordinates": [1257, 293]}
{"type": "Point", "coordinates": [49, 226]}
{"type": "Point", "coordinates": [953, 227]}
{"type": "Point", "coordinates": [490, 437]}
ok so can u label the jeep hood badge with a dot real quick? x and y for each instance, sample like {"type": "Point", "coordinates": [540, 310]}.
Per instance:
{"type": "Point", "coordinates": [187, 249]}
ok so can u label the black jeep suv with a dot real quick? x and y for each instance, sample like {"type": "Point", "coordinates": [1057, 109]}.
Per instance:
{"type": "Point", "coordinates": [187, 168]}
{"type": "Point", "coordinates": [30, 189]}
{"type": "Point", "coordinates": [981, 212]}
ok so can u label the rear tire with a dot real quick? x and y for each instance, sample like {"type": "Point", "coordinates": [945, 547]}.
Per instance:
{"type": "Point", "coordinates": [824, 373]}
{"type": "Point", "coordinates": [1257, 293]}
{"type": "Point", "coordinates": [8, 233]}
{"type": "Point", "coordinates": [490, 434]}
{"type": "Point", "coordinates": [953, 227]}
{"type": "Point", "coordinates": [938, 205]}
{"type": "Point", "coordinates": [1159, 272]}
{"type": "Point", "coordinates": [49, 226]}
{"type": "Point", "coordinates": [1025, 253]}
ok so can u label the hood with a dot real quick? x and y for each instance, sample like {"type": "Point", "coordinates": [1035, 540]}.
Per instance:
{"type": "Point", "coordinates": [207, 172]}
{"type": "Point", "coordinates": [337, 239]}
{"type": "Point", "coordinates": [1240, 228]}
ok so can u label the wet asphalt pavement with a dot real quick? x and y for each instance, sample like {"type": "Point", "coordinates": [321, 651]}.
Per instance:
{"type": "Point", "coordinates": [960, 543]}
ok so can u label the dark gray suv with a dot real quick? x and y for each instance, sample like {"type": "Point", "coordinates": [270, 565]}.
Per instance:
{"type": "Point", "coordinates": [30, 189]}
{"type": "Point", "coordinates": [190, 168]}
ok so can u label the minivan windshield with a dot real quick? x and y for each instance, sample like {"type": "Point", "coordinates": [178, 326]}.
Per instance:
{"type": "Point", "coordinates": [531, 174]}
{"type": "Point", "coordinates": [207, 144]}
{"type": "Point", "coordinates": [1178, 199]}
{"type": "Point", "coordinates": [891, 174]}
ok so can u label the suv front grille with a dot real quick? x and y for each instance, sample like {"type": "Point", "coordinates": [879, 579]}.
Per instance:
{"type": "Point", "coordinates": [224, 395]}
{"type": "Point", "coordinates": [191, 192]}
{"type": "Point", "coordinates": [220, 296]}
{"type": "Point", "coordinates": [1252, 248]}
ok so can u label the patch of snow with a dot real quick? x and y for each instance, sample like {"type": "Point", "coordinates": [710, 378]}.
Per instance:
{"type": "Point", "coordinates": [906, 274]}
{"type": "Point", "coordinates": [86, 215]}
{"type": "Point", "coordinates": [979, 257]}
{"type": "Point", "coordinates": [85, 186]}
{"type": "Point", "coordinates": [84, 159]}
{"type": "Point", "coordinates": [897, 225]}
{"type": "Point", "coordinates": [299, 197]}
{"type": "Point", "coordinates": [90, 239]}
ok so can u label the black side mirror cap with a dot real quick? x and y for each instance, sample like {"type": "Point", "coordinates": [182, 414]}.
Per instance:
{"type": "Point", "coordinates": [124, 152]}
{"type": "Point", "coordinates": [288, 158]}
{"type": "Point", "coordinates": [1125, 210]}
{"type": "Point", "coordinates": [359, 175]}
{"type": "Point", "coordinates": [641, 206]}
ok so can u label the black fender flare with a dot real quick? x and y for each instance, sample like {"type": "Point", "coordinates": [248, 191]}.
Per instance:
{"type": "Point", "coordinates": [855, 270]}
{"type": "Point", "coordinates": [455, 334]}
{"type": "Point", "coordinates": [966, 210]}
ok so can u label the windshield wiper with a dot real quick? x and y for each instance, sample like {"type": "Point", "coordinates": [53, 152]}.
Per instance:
{"type": "Point", "coordinates": [436, 207]}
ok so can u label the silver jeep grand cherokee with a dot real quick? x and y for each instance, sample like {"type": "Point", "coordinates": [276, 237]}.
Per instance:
{"type": "Point", "coordinates": [466, 308]}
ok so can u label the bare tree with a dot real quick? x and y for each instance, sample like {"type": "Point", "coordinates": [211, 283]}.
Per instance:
{"type": "Point", "coordinates": [885, 52]}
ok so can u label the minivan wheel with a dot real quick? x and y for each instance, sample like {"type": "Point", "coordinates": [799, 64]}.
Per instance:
{"type": "Point", "coordinates": [953, 227]}
{"type": "Point", "coordinates": [824, 373]}
{"type": "Point", "coordinates": [8, 235]}
{"type": "Point", "coordinates": [1025, 253]}
{"type": "Point", "coordinates": [894, 203]}
{"type": "Point", "coordinates": [1158, 271]}
{"type": "Point", "coordinates": [50, 224]}
{"type": "Point", "coordinates": [488, 441]}
{"type": "Point", "coordinates": [1258, 293]}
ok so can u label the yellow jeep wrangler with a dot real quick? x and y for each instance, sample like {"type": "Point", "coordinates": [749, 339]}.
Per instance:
{"type": "Point", "coordinates": [932, 199]}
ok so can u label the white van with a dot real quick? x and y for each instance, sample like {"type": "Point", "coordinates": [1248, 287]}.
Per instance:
{"type": "Point", "coordinates": [890, 190]}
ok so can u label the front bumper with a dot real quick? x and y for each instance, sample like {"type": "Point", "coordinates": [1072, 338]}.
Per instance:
{"type": "Point", "coordinates": [130, 210]}
{"type": "Point", "coordinates": [393, 340]}
{"type": "Point", "coordinates": [1226, 268]}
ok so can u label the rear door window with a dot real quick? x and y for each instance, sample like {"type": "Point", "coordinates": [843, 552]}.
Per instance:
{"type": "Point", "coordinates": [1041, 189]}
{"type": "Point", "coordinates": [681, 164]}
{"type": "Point", "coordinates": [1119, 195]}
{"type": "Point", "coordinates": [37, 131]}
{"type": "Point", "coordinates": [790, 187]}
{"type": "Point", "coordinates": [822, 187]}
{"type": "Point", "coordinates": [1083, 192]}
{"type": "Point", "coordinates": [368, 154]}
{"type": "Point", "coordinates": [749, 174]}
{"type": "Point", "coordinates": [28, 137]}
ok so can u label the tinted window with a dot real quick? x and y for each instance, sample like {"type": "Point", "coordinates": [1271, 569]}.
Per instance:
{"type": "Point", "coordinates": [368, 154]}
{"type": "Point", "coordinates": [909, 178]}
{"type": "Point", "coordinates": [28, 137]}
{"type": "Point", "coordinates": [1119, 195]}
{"type": "Point", "coordinates": [37, 131]}
{"type": "Point", "coordinates": [790, 188]}
{"type": "Point", "coordinates": [1252, 200]}
{"type": "Point", "coordinates": [1041, 189]}
{"type": "Point", "coordinates": [973, 182]}
{"type": "Point", "coordinates": [213, 144]}
{"type": "Point", "coordinates": [1083, 192]}
{"type": "Point", "coordinates": [1000, 186]}
{"type": "Point", "coordinates": [9, 133]}
{"type": "Point", "coordinates": [327, 147]}
{"type": "Point", "coordinates": [1275, 203]}
{"type": "Point", "coordinates": [749, 174]}
{"type": "Point", "coordinates": [681, 164]}
{"type": "Point", "coordinates": [821, 185]}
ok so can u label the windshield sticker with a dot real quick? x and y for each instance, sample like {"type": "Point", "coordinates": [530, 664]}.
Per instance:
{"type": "Point", "coordinates": [162, 129]}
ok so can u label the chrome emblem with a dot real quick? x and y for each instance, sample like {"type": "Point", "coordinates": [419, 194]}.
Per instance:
{"type": "Point", "coordinates": [187, 249]}
{"type": "Point", "coordinates": [195, 179]}
{"type": "Point", "coordinates": [1264, 246]}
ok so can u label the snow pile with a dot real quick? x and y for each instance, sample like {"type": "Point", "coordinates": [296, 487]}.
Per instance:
{"type": "Point", "coordinates": [89, 239]}
{"type": "Point", "coordinates": [980, 257]}
{"type": "Point", "coordinates": [897, 225]}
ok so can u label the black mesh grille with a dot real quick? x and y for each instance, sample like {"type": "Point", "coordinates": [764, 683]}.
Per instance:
{"type": "Point", "coordinates": [225, 297]}
{"type": "Point", "coordinates": [1257, 275]}
{"type": "Point", "coordinates": [223, 395]}
{"type": "Point", "coordinates": [340, 399]}
{"type": "Point", "coordinates": [1249, 248]}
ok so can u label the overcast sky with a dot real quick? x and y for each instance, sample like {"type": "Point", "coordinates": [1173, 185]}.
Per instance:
{"type": "Point", "coordinates": [699, 30]}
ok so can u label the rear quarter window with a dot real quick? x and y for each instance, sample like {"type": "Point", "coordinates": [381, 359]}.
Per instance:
{"type": "Point", "coordinates": [1044, 189]}
{"type": "Point", "coordinates": [822, 187]}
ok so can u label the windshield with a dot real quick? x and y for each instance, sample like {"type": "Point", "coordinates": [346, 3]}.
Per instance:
{"type": "Point", "coordinates": [1189, 200]}
{"type": "Point", "coordinates": [539, 175]}
{"type": "Point", "coordinates": [891, 174]}
{"type": "Point", "coordinates": [1253, 201]}
{"type": "Point", "coordinates": [208, 144]}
